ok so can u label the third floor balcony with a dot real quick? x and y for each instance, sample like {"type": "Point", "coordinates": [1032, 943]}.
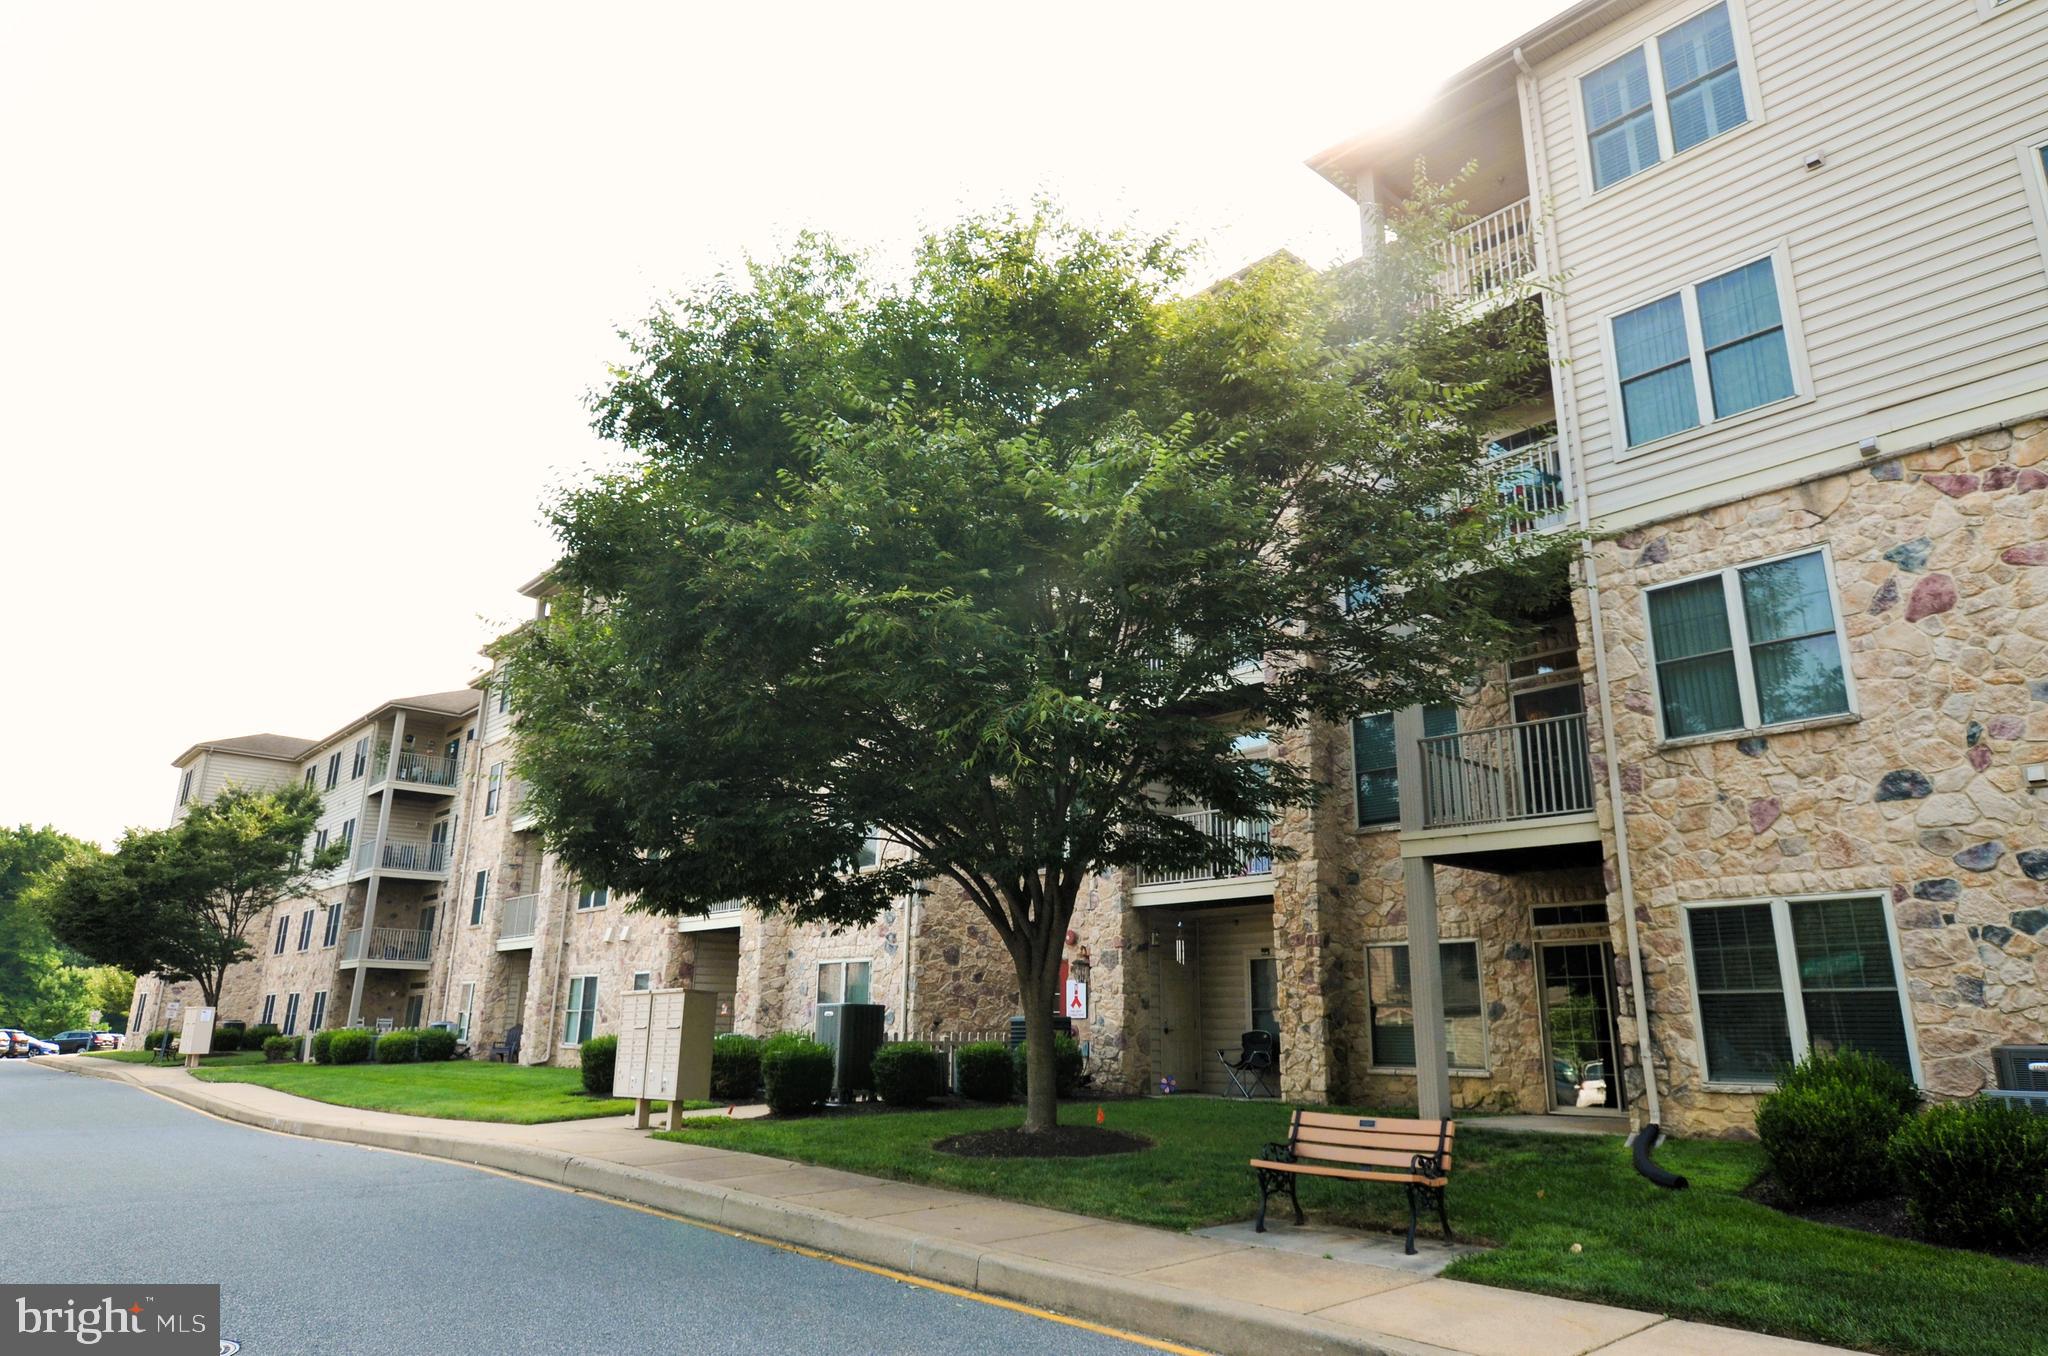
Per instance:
{"type": "Point", "coordinates": [430, 773]}
{"type": "Point", "coordinates": [1487, 257]}
{"type": "Point", "coordinates": [516, 919]}
{"type": "Point", "coordinates": [420, 861]}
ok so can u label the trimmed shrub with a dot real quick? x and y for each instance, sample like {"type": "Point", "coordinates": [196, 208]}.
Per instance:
{"type": "Point", "coordinates": [156, 1039]}
{"type": "Point", "coordinates": [1975, 1175]}
{"type": "Point", "coordinates": [600, 1054]}
{"type": "Point", "coordinates": [436, 1044]}
{"type": "Point", "coordinates": [398, 1047]}
{"type": "Point", "coordinates": [798, 1075]}
{"type": "Point", "coordinates": [254, 1036]}
{"type": "Point", "coordinates": [323, 1047]}
{"type": "Point", "coordinates": [349, 1045]}
{"type": "Point", "coordinates": [985, 1071]}
{"type": "Point", "coordinates": [909, 1073]}
{"type": "Point", "coordinates": [785, 1040]}
{"type": "Point", "coordinates": [279, 1049]}
{"type": "Point", "coordinates": [227, 1039]}
{"type": "Point", "coordinates": [1066, 1063]}
{"type": "Point", "coordinates": [735, 1068]}
{"type": "Point", "coordinates": [1828, 1127]}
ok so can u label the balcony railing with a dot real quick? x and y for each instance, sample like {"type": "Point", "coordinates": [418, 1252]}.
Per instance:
{"type": "Point", "coordinates": [427, 857]}
{"type": "Point", "coordinates": [516, 917]}
{"type": "Point", "coordinates": [1218, 825]}
{"type": "Point", "coordinates": [1531, 479]}
{"type": "Point", "coordinates": [423, 769]}
{"type": "Point", "coordinates": [402, 946]}
{"type": "Point", "coordinates": [1533, 769]}
{"type": "Point", "coordinates": [1488, 255]}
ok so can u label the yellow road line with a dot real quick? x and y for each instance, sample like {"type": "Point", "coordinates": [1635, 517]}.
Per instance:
{"type": "Point", "coordinates": [901, 1277]}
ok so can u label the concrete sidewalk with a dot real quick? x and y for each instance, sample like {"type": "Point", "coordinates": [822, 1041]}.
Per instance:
{"type": "Point", "coordinates": [1222, 1294]}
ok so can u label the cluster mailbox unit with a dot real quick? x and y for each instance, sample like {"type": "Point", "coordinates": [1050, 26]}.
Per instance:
{"type": "Point", "coordinates": [665, 1050]}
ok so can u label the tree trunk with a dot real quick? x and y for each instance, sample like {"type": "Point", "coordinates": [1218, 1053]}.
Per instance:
{"type": "Point", "coordinates": [209, 989]}
{"type": "Point", "coordinates": [1041, 1087]}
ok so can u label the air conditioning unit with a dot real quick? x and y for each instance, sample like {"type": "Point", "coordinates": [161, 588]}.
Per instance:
{"type": "Point", "coordinates": [854, 1031]}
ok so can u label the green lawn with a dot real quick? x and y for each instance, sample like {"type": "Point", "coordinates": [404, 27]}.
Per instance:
{"type": "Point", "coordinates": [1705, 1253]}
{"type": "Point", "coordinates": [456, 1090]}
{"type": "Point", "coordinates": [146, 1056]}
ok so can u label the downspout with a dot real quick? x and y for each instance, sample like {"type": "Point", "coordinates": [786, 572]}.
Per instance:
{"type": "Point", "coordinates": [1567, 410]}
{"type": "Point", "coordinates": [911, 914]}
{"type": "Point", "coordinates": [547, 884]}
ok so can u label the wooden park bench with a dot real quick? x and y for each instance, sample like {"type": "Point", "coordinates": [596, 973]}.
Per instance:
{"type": "Point", "coordinates": [1360, 1149]}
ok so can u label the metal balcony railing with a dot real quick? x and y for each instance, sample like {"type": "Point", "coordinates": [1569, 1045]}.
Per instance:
{"type": "Point", "coordinates": [427, 857]}
{"type": "Point", "coordinates": [1219, 825]}
{"type": "Point", "coordinates": [402, 945]}
{"type": "Point", "coordinates": [421, 769]}
{"type": "Point", "coordinates": [516, 917]}
{"type": "Point", "coordinates": [1532, 769]}
{"type": "Point", "coordinates": [1488, 255]}
{"type": "Point", "coordinates": [1531, 479]}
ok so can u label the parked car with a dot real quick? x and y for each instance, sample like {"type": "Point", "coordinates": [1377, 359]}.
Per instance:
{"type": "Point", "coordinates": [105, 1040]}
{"type": "Point", "coordinates": [12, 1043]}
{"type": "Point", "coordinates": [71, 1042]}
{"type": "Point", "coordinates": [26, 1045]}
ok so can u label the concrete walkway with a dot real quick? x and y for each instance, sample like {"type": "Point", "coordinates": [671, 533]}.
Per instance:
{"type": "Point", "coordinates": [1217, 1291]}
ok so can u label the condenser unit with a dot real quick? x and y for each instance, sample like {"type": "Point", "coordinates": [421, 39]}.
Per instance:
{"type": "Point", "coordinates": [854, 1032]}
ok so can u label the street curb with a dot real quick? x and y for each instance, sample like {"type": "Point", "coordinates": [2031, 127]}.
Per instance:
{"type": "Point", "coordinates": [1209, 1322]}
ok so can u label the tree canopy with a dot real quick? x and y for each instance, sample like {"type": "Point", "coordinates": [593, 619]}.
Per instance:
{"type": "Point", "coordinates": [180, 901]}
{"type": "Point", "coordinates": [43, 986]}
{"type": "Point", "coordinates": [975, 558]}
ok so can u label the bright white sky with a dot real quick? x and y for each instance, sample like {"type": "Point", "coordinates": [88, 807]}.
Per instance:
{"type": "Point", "coordinates": [299, 302]}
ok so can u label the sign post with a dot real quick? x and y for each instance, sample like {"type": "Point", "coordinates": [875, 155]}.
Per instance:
{"type": "Point", "coordinates": [163, 1049]}
{"type": "Point", "coordinates": [665, 1050]}
{"type": "Point", "coordinates": [197, 1037]}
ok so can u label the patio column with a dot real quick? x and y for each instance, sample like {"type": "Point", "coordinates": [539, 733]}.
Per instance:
{"type": "Point", "coordinates": [1425, 960]}
{"type": "Point", "coordinates": [355, 992]}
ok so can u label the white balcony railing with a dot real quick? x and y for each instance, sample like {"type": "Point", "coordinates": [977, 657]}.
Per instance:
{"type": "Point", "coordinates": [516, 917]}
{"type": "Point", "coordinates": [1532, 769]}
{"type": "Point", "coordinates": [402, 946]}
{"type": "Point", "coordinates": [1488, 255]}
{"type": "Point", "coordinates": [1531, 479]}
{"type": "Point", "coordinates": [1218, 825]}
{"type": "Point", "coordinates": [431, 858]}
{"type": "Point", "coordinates": [421, 769]}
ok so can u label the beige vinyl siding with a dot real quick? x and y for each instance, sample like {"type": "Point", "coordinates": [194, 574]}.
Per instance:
{"type": "Point", "coordinates": [1226, 941]}
{"type": "Point", "coordinates": [216, 771]}
{"type": "Point", "coordinates": [1915, 270]}
{"type": "Point", "coordinates": [717, 966]}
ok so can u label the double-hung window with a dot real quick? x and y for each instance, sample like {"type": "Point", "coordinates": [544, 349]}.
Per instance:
{"type": "Point", "coordinates": [1390, 1004]}
{"type": "Point", "coordinates": [333, 925]}
{"type": "Point", "coordinates": [362, 760]}
{"type": "Point", "coordinates": [318, 1015]}
{"type": "Point", "coordinates": [185, 787]}
{"type": "Point", "coordinates": [580, 1023]}
{"type": "Point", "coordinates": [291, 1016]}
{"type": "Point", "coordinates": [495, 791]}
{"type": "Point", "coordinates": [306, 930]}
{"type": "Point", "coordinates": [269, 1008]}
{"type": "Point", "coordinates": [1709, 351]}
{"type": "Point", "coordinates": [1670, 94]}
{"type": "Point", "coordinates": [1377, 782]}
{"type": "Point", "coordinates": [466, 1013]}
{"type": "Point", "coordinates": [1748, 647]}
{"type": "Point", "coordinates": [284, 932]}
{"type": "Point", "coordinates": [334, 770]}
{"type": "Point", "coordinates": [844, 981]}
{"type": "Point", "coordinates": [476, 897]}
{"type": "Point", "coordinates": [1776, 979]}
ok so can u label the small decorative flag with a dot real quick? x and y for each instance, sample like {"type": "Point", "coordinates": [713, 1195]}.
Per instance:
{"type": "Point", "coordinates": [1099, 1117]}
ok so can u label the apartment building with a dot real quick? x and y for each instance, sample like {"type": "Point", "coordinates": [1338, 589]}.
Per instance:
{"type": "Point", "coordinates": [1773, 783]}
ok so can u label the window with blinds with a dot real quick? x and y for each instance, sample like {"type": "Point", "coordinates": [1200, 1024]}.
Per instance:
{"type": "Point", "coordinates": [1664, 97]}
{"type": "Point", "coordinates": [1373, 760]}
{"type": "Point", "coordinates": [1709, 351]}
{"type": "Point", "coordinates": [1390, 1005]}
{"type": "Point", "coordinates": [1775, 980]}
{"type": "Point", "coordinates": [1754, 646]}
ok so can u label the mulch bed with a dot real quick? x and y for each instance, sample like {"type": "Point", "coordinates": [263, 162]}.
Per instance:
{"type": "Point", "coordinates": [1886, 1215]}
{"type": "Point", "coordinates": [1065, 1141]}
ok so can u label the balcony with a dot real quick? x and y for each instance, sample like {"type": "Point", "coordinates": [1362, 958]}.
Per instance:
{"type": "Point", "coordinates": [1200, 884]}
{"type": "Point", "coordinates": [515, 922]}
{"type": "Point", "coordinates": [389, 949]}
{"type": "Point", "coordinates": [724, 914]}
{"type": "Point", "coordinates": [1505, 789]}
{"type": "Point", "coordinates": [421, 861]}
{"type": "Point", "coordinates": [434, 773]}
{"type": "Point", "coordinates": [1482, 260]}
{"type": "Point", "coordinates": [1531, 479]}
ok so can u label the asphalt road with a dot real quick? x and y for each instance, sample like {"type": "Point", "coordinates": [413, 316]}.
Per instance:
{"type": "Point", "coordinates": [321, 1247]}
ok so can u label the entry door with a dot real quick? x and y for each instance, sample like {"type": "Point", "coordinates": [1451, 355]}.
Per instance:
{"type": "Point", "coordinates": [415, 1010]}
{"type": "Point", "coordinates": [1180, 1003]}
{"type": "Point", "coordinates": [1578, 1027]}
{"type": "Point", "coordinates": [1553, 762]}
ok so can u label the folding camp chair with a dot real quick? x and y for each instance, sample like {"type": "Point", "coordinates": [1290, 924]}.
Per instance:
{"type": "Point", "coordinates": [1258, 1056]}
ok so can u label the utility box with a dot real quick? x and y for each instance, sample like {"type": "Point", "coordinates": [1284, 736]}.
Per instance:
{"type": "Point", "coordinates": [854, 1031]}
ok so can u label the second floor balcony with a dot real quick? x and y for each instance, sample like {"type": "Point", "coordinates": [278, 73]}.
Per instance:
{"type": "Point", "coordinates": [1503, 789]}
{"type": "Point", "coordinates": [388, 949]}
{"type": "Point", "coordinates": [1196, 884]}
{"type": "Point", "coordinates": [516, 919]}
{"type": "Point", "coordinates": [434, 773]}
{"type": "Point", "coordinates": [1485, 258]}
{"type": "Point", "coordinates": [724, 914]}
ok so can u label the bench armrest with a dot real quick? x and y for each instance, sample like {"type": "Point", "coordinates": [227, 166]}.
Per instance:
{"type": "Point", "coordinates": [1279, 1151]}
{"type": "Point", "coordinates": [1427, 1165]}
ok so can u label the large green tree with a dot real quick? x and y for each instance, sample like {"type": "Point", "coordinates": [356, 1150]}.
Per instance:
{"type": "Point", "coordinates": [180, 901]}
{"type": "Point", "coordinates": [970, 557]}
{"type": "Point", "coordinates": [41, 989]}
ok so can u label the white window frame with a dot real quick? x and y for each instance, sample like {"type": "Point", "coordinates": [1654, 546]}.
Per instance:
{"type": "Point", "coordinates": [331, 931]}
{"type": "Point", "coordinates": [465, 1011]}
{"type": "Point", "coordinates": [1660, 112]}
{"type": "Point", "coordinates": [589, 983]}
{"type": "Point", "coordinates": [1991, 9]}
{"type": "Point", "coordinates": [591, 898]}
{"type": "Point", "coordinates": [306, 930]}
{"type": "Point", "coordinates": [840, 963]}
{"type": "Point", "coordinates": [479, 897]}
{"type": "Point", "coordinates": [1788, 978]}
{"type": "Point", "coordinates": [361, 762]}
{"type": "Point", "coordinates": [269, 1009]}
{"type": "Point", "coordinates": [185, 787]}
{"type": "Point", "coordinates": [317, 1012]}
{"type": "Point", "coordinates": [643, 980]}
{"type": "Point", "coordinates": [2034, 175]}
{"type": "Point", "coordinates": [1738, 638]}
{"type": "Point", "coordinates": [494, 790]}
{"type": "Point", "coordinates": [1485, 1023]}
{"type": "Point", "coordinates": [291, 1016]}
{"type": "Point", "coordinates": [1780, 255]}
{"type": "Point", "coordinates": [284, 934]}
